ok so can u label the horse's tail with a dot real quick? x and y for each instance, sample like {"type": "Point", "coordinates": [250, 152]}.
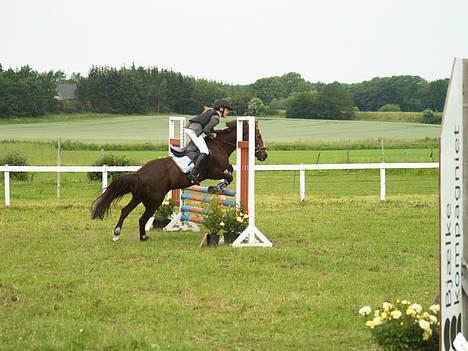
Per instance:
{"type": "Point", "coordinates": [114, 192]}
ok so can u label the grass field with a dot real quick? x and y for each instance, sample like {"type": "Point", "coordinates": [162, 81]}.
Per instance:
{"type": "Point", "coordinates": [65, 285]}
{"type": "Point", "coordinates": [126, 129]}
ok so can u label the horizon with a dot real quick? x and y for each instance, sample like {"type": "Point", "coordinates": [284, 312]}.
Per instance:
{"type": "Point", "coordinates": [68, 75]}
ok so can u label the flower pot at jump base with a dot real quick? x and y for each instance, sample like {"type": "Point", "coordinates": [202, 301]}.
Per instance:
{"type": "Point", "coordinates": [212, 239]}
{"type": "Point", "coordinates": [230, 237]}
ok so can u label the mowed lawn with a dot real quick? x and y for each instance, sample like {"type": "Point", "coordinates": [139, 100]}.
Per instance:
{"type": "Point", "coordinates": [127, 129]}
{"type": "Point", "coordinates": [65, 285]}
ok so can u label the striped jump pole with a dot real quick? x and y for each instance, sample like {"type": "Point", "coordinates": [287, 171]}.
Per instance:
{"type": "Point", "coordinates": [185, 220]}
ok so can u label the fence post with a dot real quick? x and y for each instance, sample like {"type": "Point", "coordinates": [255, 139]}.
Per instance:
{"type": "Point", "coordinates": [382, 182]}
{"type": "Point", "coordinates": [7, 186]}
{"type": "Point", "coordinates": [302, 182]}
{"type": "Point", "coordinates": [104, 178]}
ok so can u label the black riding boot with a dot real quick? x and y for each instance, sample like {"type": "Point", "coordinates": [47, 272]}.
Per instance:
{"type": "Point", "coordinates": [195, 172]}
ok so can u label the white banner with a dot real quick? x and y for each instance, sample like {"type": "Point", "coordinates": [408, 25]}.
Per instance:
{"type": "Point", "coordinates": [451, 211]}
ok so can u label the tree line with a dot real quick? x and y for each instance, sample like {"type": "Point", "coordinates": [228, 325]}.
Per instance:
{"type": "Point", "coordinates": [139, 90]}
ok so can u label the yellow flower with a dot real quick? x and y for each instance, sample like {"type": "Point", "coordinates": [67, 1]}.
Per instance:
{"type": "Point", "coordinates": [365, 311]}
{"type": "Point", "coordinates": [425, 315]}
{"type": "Point", "coordinates": [426, 335]}
{"type": "Point", "coordinates": [384, 315]}
{"type": "Point", "coordinates": [370, 324]}
{"type": "Point", "coordinates": [432, 319]}
{"type": "Point", "coordinates": [434, 308]}
{"type": "Point", "coordinates": [376, 313]}
{"type": "Point", "coordinates": [424, 325]}
{"type": "Point", "coordinates": [410, 312]}
{"type": "Point", "coordinates": [377, 321]}
{"type": "Point", "coordinates": [401, 323]}
{"type": "Point", "coordinates": [416, 307]}
{"type": "Point", "coordinates": [386, 306]}
{"type": "Point", "coordinates": [221, 224]}
{"type": "Point", "coordinates": [405, 302]}
{"type": "Point", "coordinates": [396, 314]}
{"type": "Point", "coordinates": [397, 301]}
{"type": "Point", "coordinates": [239, 219]}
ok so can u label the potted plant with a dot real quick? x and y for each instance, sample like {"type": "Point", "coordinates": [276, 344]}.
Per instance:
{"type": "Point", "coordinates": [162, 216]}
{"type": "Point", "coordinates": [214, 223]}
{"type": "Point", "coordinates": [403, 325]}
{"type": "Point", "coordinates": [234, 224]}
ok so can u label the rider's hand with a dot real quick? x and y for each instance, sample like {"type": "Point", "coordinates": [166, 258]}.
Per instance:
{"type": "Point", "coordinates": [213, 135]}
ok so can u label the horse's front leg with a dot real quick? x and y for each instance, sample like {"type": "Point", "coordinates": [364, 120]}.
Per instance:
{"type": "Point", "coordinates": [227, 179]}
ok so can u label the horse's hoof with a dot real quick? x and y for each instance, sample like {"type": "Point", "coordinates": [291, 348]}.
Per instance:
{"type": "Point", "coordinates": [116, 238]}
{"type": "Point", "coordinates": [117, 231]}
{"type": "Point", "coordinates": [211, 189]}
{"type": "Point", "coordinates": [144, 238]}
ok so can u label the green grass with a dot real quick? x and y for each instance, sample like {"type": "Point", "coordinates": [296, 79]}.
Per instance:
{"type": "Point", "coordinates": [132, 129]}
{"type": "Point", "coordinates": [65, 285]}
{"type": "Point", "coordinates": [409, 117]}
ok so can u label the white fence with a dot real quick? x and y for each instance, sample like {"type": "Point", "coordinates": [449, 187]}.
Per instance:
{"type": "Point", "coordinates": [301, 168]}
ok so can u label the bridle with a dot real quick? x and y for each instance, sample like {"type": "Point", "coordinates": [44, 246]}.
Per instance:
{"type": "Point", "coordinates": [258, 148]}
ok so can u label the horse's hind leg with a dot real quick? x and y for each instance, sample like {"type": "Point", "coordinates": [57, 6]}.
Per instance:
{"type": "Point", "coordinates": [123, 214]}
{"type": "Point", "coordinates": [150, 208]}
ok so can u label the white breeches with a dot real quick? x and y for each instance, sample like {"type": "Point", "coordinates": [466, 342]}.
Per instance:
{"type": "Point", "coordinates": [198, 141]}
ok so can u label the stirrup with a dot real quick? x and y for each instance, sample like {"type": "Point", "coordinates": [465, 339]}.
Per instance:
{"type": "Point", "coordinates": [193, 177]}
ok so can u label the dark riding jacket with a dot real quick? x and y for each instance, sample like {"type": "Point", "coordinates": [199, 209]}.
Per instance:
{"type": "Point", "coordinates": [205, 122]}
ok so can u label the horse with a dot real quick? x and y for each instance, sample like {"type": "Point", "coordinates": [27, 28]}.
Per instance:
{"type": "Point", "coordinates": [150, 184]}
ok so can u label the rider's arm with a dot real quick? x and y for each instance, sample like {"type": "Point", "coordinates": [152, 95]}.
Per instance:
{"type": "Point", "coordinates": [211, 124]}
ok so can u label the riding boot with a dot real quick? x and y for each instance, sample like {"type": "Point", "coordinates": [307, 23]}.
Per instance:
{"type": "Point", "coordinates": [195, 172]}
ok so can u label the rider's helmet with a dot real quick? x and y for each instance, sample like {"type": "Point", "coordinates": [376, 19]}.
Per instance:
{"type": "Point", "coordinates": [222, 103]}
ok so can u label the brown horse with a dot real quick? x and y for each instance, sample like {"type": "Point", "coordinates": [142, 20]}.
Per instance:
{"type": "Point", "coordinates": [150, 184]}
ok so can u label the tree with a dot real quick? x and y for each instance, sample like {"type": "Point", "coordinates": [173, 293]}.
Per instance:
{"type": "Point", "coordinates": [435, 94]}
{"type": "Point", "coordinates": [334, 102]}
{"type": "Point", "coordinates": [302, 105]}
{"type": "Point", "coordinates": [256, 107]}
{"type": "Point", "coordinates": [271, 88]}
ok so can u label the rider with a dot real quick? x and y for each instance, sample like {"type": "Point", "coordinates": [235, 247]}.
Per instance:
{"type": "Point", "coordinates": [205, 123]}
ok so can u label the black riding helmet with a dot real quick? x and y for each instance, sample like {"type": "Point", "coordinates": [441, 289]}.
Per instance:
{"type": "Point", "coordinates": [222, 103]}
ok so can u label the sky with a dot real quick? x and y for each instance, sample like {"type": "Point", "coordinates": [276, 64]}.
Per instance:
{"type": "Point", "coordinates": [239, 41]}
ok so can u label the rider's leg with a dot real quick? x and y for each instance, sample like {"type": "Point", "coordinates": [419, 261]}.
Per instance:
{"type": "Point", "coordinates": [201, 159]}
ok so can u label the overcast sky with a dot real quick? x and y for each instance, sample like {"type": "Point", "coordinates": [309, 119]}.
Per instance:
{"type": "Point", "coordinates": [239, 41]}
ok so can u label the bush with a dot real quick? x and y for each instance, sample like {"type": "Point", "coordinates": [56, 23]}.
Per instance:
{"type": "Point", "coordinates": [110, 160]}
{"type": "Point", "coordinates": [16, 159]}
{"type": "Point", "coordinates": [234, 221]}
{"type": "Point", "coordinates": [214, 218]}
{"type": "Point", "coordinates": [390, 108]}
{"type": "Point", "coordinates": [430, 117]}
{"type": "Point", "coordinates": [165, 211]}
{"type": "Point", "coordinates": [403, 326]}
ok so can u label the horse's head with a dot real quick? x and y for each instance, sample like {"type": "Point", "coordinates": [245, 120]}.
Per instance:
{"type": "Point", "coordinates": [260, 149]}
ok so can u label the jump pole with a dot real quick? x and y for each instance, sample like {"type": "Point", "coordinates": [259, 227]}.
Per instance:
{"type": "Point", "coordinates": [179, 141]}
{"type": "Point", "coordinates": [245, 185]}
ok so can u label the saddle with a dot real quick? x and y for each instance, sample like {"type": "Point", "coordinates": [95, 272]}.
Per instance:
{"type": "Point", "coordinates": [185, 157]}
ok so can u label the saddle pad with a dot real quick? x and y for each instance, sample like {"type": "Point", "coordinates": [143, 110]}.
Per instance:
{"type": "Point", "coordinates": [184, 163]}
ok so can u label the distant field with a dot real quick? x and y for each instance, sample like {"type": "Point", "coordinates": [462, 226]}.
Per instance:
{"type": "Point", "coordinates": [409, 117]}
{"type": "Point", "coordinates": [131, 129]}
